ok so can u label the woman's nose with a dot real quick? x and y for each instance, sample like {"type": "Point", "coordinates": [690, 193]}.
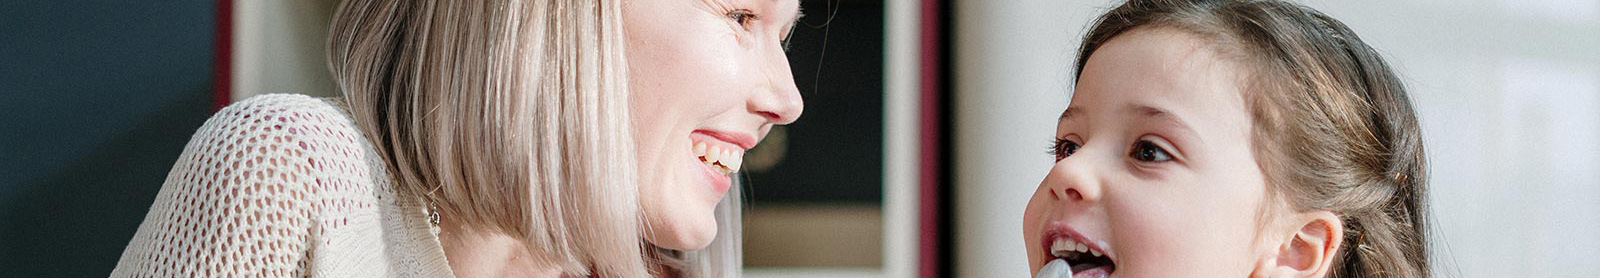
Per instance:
{"type": "Point", "coordinates": [780, 102]}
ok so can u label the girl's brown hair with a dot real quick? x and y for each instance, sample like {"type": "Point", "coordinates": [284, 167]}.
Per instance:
{"type": "Point", "coordinates": [1333, 127]}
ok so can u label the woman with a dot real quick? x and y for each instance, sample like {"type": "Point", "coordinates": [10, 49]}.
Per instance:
{"type": "Point", "coordinates": [489, 138]}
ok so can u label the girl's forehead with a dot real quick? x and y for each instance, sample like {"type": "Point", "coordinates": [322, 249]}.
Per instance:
{"type": "Point", "coordinates": [1161, 70]}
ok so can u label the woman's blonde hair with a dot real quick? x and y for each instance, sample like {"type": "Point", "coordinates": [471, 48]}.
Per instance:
{"type": "Point", "coordinates": [510, 116]}
{"type": "Point", "coordinates": [1333, 127]}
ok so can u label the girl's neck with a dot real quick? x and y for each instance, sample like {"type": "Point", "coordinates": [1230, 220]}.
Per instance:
{"type": "Point", "coordinates": [475, 253]}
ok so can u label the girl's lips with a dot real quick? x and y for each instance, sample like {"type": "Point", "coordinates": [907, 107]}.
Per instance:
{"type": "Point", "coordinates": [1058, 229]}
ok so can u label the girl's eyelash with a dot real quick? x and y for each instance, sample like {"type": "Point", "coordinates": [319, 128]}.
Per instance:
{"type": "Point", "coordinates": [1142, 150]}
{"type": "Point", "coordinates": [1055, 144]}
{"type": "Point", "coordinates": [1146, 151]}
{"type": "Point", "coordinates": [1061, 148]}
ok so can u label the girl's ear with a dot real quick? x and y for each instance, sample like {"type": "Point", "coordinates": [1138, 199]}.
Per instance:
{"type": "Point", "coordinates": [1314, 241]}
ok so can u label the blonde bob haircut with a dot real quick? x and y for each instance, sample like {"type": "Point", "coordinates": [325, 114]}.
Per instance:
{"type": "Point", "coordinates": [512, 116]}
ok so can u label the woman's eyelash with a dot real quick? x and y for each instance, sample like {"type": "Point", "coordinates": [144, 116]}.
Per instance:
{"type": "Point", "coordinates": [743, 16]}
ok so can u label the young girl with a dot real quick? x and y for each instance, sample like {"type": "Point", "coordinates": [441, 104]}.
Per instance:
{"type": "Point", "coordinates": [1231, 139]}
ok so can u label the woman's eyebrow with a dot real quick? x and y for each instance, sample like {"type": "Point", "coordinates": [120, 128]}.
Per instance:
{"type": "Point", "coordinates": [799, 10]}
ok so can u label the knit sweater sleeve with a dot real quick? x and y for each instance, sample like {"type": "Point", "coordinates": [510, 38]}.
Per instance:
{"type": "Point", "coordinates": [243, 198]}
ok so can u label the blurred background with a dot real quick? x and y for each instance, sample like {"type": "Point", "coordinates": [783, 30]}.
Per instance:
{"type": "Point", "coordinates": [921, 143]}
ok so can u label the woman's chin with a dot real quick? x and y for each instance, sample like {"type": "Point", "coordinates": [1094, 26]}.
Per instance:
{"type": "Point", "coordinates": [686, 237]}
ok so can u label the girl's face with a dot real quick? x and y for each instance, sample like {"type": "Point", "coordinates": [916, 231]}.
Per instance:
{"type": "Point", "coordinates": [709, 79]}
{"type": "Point", "coordinates": [1154, 167]}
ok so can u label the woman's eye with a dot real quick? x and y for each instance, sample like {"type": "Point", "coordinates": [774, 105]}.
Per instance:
{"type": "Point", "coordinates": [1062, 148]}
{"type": "Point", "coordinates": [742, 16]}
{"type": "Point", "coordinates": [1149, 152]}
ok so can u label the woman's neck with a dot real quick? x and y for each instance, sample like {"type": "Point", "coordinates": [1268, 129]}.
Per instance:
{"type": "Point", "coordinates": [475, 253]}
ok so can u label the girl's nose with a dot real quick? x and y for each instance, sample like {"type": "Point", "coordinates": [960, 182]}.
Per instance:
{"type": "Point", "coordinates": [1073, 180]}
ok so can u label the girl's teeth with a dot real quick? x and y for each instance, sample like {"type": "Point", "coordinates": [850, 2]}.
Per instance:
{"type": "Point", "coordinates": [1061, 246]}
{"type": "Point", "coordinates": [699, 149]}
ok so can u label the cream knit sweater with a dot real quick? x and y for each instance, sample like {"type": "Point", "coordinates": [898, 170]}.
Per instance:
{"type": "Point", "coordinates": [282, 186]}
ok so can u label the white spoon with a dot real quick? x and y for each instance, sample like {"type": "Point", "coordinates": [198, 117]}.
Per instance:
{"type": "Point", "coordinates": [1057, 268]}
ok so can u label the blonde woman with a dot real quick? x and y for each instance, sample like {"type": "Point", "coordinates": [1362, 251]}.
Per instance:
{"type": "Point", "coordinates": [536, 138]}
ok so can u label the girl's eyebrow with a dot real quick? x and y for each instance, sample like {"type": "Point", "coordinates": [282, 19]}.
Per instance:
{"type": "Point", "coordinates": [1166, 119]}
{"type": "Point", "coordinates": [1071, 110]}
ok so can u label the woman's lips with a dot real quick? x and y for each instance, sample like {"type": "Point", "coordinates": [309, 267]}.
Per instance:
{"type": "Point", "coordinates": [719, 158]}
{"type": "Point", "coordinates": [737, 140]}
{"type": "Point", "coordinates": [719, 154]}
{"type": "Point", "coordinates": [720, 182]}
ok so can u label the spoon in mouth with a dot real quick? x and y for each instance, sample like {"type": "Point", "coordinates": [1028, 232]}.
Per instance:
{"type": "Point", "coordinates": [1057, 268]}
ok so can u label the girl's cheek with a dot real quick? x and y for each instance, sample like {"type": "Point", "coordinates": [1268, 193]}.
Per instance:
{"type": "Point", "coordinates": [1030, 217]}
{"type": "Point", "coordinates": [1032, 223]}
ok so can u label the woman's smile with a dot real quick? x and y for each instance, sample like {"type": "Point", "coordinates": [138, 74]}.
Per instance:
{"type": "Point", "coordinates": [719, 154]}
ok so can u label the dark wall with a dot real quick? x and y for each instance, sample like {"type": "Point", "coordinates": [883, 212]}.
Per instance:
{"type": "Point", "coordinates": [834, 151]}
{"type": "Point", "coordinates": [97, 99]}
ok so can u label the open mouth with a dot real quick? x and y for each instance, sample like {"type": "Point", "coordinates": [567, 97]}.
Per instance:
{"type": "Point", "coordinates": [724, 160]}
{"type": "Point", "coordinates": [1085, 260]}
{"type": "Point", "coordinates": [720, 154]}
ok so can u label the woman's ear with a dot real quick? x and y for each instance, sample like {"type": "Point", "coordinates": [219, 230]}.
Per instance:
{"type": "Point", "coordinates": [1313, 243]}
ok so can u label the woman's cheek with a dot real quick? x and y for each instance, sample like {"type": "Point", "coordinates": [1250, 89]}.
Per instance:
{"type": "Point", "coordinates": [716, 53]}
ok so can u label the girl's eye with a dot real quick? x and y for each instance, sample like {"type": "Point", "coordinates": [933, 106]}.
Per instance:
{"type": "Point", "coordinates": [1062, 148]}
{"type": "Point", "coordinates": [742, 16]}
{"type": "Point", "coordinates": [1149, 152]}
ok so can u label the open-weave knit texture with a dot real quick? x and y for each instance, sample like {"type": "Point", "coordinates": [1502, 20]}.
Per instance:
{"type": "Point", "coordinates": [282, 186]}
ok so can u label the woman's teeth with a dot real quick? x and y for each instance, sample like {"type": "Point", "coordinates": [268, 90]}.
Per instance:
{"type": "Point", "coordinates": [723, 160]}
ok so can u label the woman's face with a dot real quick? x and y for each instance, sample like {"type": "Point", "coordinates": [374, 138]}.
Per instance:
{"type": "Point", "coordinates": [709, 79]}
{"type": "Point", "coordinates": [1155, 169]}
